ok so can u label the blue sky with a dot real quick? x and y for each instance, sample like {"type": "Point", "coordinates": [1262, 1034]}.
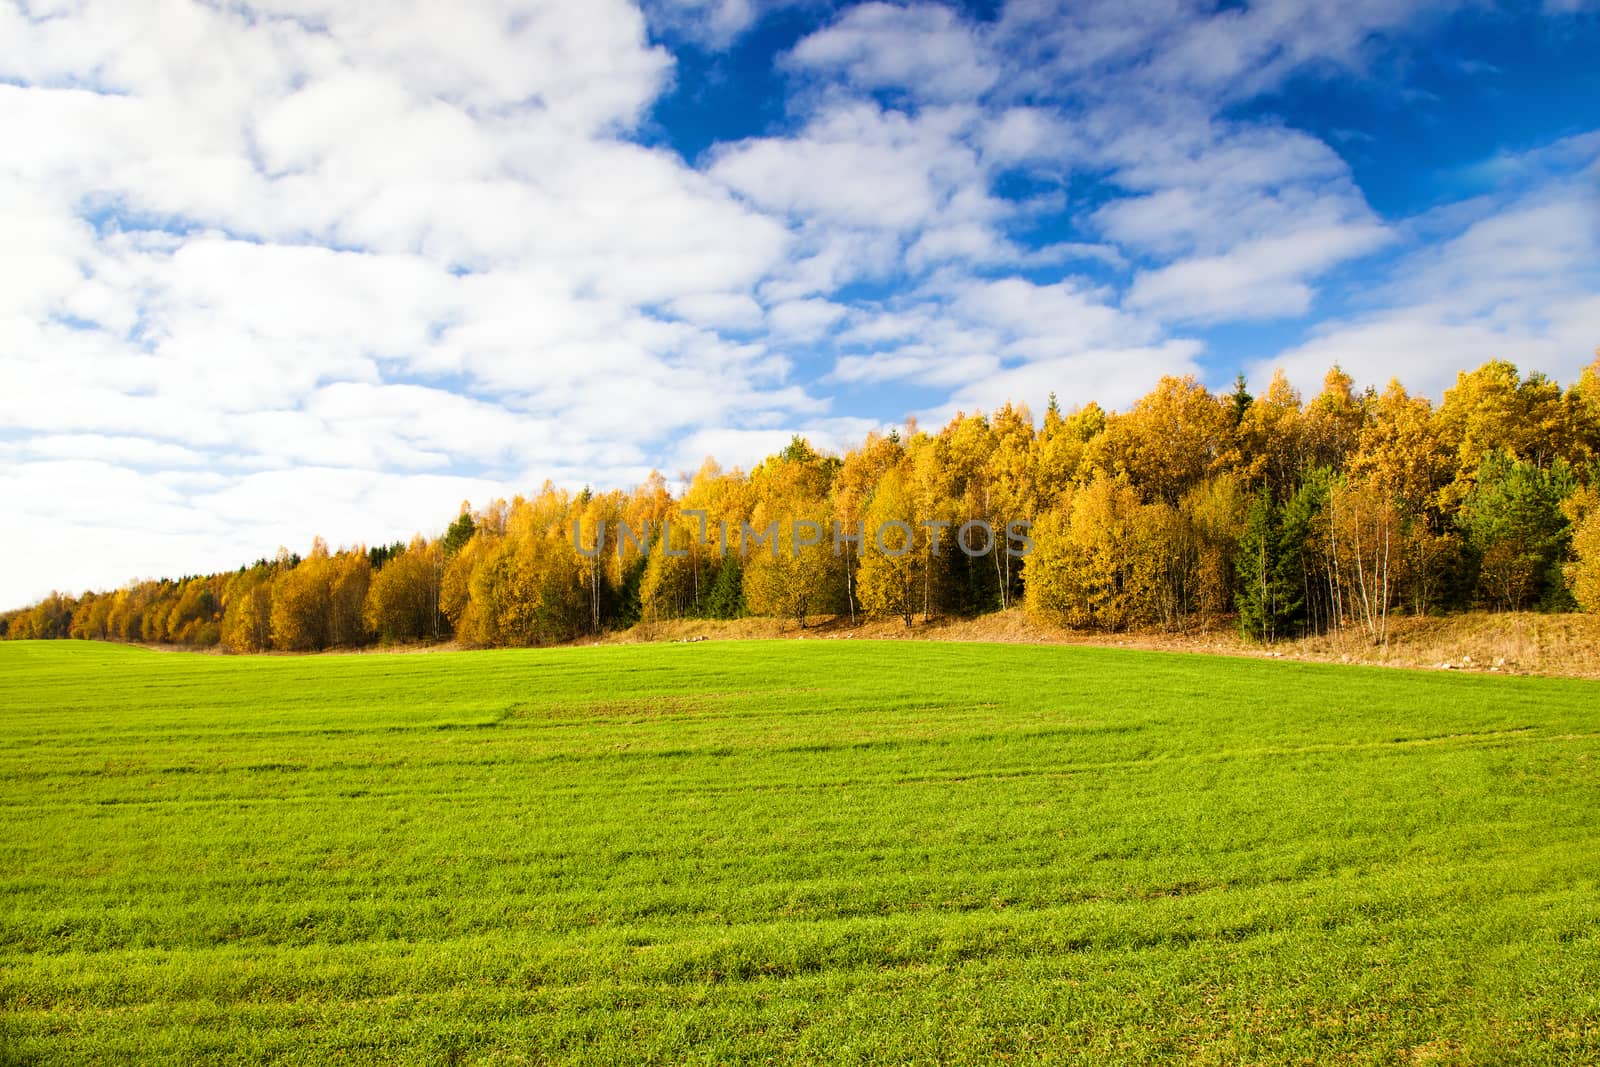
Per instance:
{"type": "Point", "coordinates": [296, 267]}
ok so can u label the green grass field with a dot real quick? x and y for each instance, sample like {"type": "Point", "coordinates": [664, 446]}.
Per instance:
{"type": "Point", "coordinates": [832, 851]}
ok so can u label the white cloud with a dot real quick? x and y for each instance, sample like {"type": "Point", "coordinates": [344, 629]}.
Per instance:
{"type": "Point", "coordinates": [1180, 49]}
{"type": "Point", "coordinates": [135, 451]}
{"type": "Point", "coordinates": [860, 166]}
{"type": "Point", "coordinates": [1202, 188]}
{"type": "Point", "coordinates": [1521, 282]}
{"type": "Point", "coordinates": [392, 244]}
{"type": "Point", "coordinates": [746, 448]}
{"type": "Point", "coordinates": [1245, 218]}
{"type": "Point", "coordinates": [804, 319]}
{"type": "Point", "coordinates": [736, 311]}
{"type": "Point", "coordinates": [1025, 134]}
{"type": "Point", "coordinates": [1112, 377]}
{"type": "Point", "coordinates": [923, 48]}
{"type": "Point", "coordinates": [1261, 279]}
{"type": "Point", "coordinates": [990, 341]}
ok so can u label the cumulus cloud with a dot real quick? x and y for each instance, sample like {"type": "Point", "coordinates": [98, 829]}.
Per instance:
{"type": "Point", "coordinates": [1517, 279]}
{"type": "Point", "coordinates": [282, 267]}
{"type": "Point", "coordinates": [990, 341]}
{"type": "Point", "coordinates": [394, 245]}
{"type": "Point", "coordinates": [926, 49]}
{"type": "Point", "coordinates": [861, 166]}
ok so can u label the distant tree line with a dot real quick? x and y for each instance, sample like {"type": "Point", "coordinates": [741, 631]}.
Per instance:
{"type": "Point", "coordinates": [1293, 517]}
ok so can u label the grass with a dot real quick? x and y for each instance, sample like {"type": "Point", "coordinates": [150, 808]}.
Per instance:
{"type": "Point", "coordinates": [839, 851]}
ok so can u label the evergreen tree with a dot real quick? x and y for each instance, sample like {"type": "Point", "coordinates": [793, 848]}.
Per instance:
{"type": "Point", "coordinates": [458, 533]}
{"type": "Point", "coordinates": [1241, 400]}
{"type": "Point", "coordinates": [726, 598]}
{"type": "Point", "coordinates": [1515, 528]}
{"type": "Point", "coordinates": [1268, 595]}
{"type": "Point", "coordinates": [1308, 599]}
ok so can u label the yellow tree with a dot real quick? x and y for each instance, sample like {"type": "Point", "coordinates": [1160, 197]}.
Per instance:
{"type": "Point", "coordinates": [196, 613]}
{"type": "Point", "coordinates": [1364, 539]}
{"type": "Point", "coordinates": [1214, 512]}
{"type": "Point", "coordinates": [456, 582]}
{"type": "Point", "coordinates": [648, 507]}
{"type": "Point", "coordinates": [1012, 481]}
{"type": "Point", "coordinates": [1494, 409]}
{"type": "Point", "coordinates": [1402, 457]}
{"type": "Point", "coordinates": [1048, 576]}
{"type": "Point", "coordinates": [1583, 404]}
{"type": "Point", "coordinates": [247, 611]}
{"type": "Point", "coordinates": [1101, 562]}
{"type": "Point", "coordinates": [1270, 441]}
{"type": "Point", "coordinates": [1334, 420]}
{"type": "Point", "coordinates": [712, 507]}
{"type": "Point", "coordinates": [403, 596]}
{"type": "Point", "coordinates": [792, 574]}
{"type": "Point", "coordinates": [852, 490]}
{"type": "Point", "coordinates": [349, 575]}
{"type": "Point", "coordinates": [545, 601]}
{"type": "Point", "coordinates": [1062, 449]}
{"type": "Point", "coordinates": [891, 565]}
{"type": "Point", "coordinates": [526, 588]}
{"type": "Point", "coordinates": [595, 536]}
{"type": "Point", "coordinates": [925, 495]}
{"type": "Point", "coordinates": [300, 603]}
{"type": "Point", "coordinates": [1119, 558]}
{"type": "Point", "coordinates": [1170, 440]}
{"type": "Point", "coordinates": [1582, 509]}
{"type": "Point", "coordinates": [90, 621]}
{"type": "Point", "coordinates": [1400, 449]}
{"type": "Point", "coordinates": [668, 586]}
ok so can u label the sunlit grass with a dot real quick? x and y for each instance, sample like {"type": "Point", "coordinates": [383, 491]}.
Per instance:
{"type": "Point", "coordinates": [827, 850]}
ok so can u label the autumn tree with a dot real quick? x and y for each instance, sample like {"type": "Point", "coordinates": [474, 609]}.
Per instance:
{"type": "Point", "coordinates": [669, 586]}
{"type": "Point", "coordinates": [793, 573]}
{"type": "Point", "coordinates": [300, 603]}
{"type": "Point", "coordinates": [1365, 539]}
{"type": "Point", "coordinates": [1170, 440]}
{"type": "Point", "coordinates": [1582, 509]}
{"type": "Point", "coordinates": [247, 610]}
{"type": "Point", "coordinates": [1011, 483]}
{"type": "Point", "coordinates": [1269, 442]}
{"type": "Point", "coordinates": [1302, 517]}
{"type": "Point", "coordinates": [349, 575]}
{"type": "Point", "coordinates": [1402, 457]}
{"type": "Point", "coordinates": [456, 603]}
{"type": "Point", "coordinates": [1100, 563]}
{"type": "Point", "coordinates": [526, 588]}
{"type": "Point", "coordinates": [1062, 450]}
{"type": "Point", "coordinates": [891, 563]}
{"type": "Point", "coordinates": [1214, 512]}
{"type": "Point", "coordinates": [1334, 420]}
{"type": "Point", "coordinates": [403, 598]}
{"type": "Point", "coordinates": [1583, 404]}
{"type": "Point", "coordinates": [858, 478]}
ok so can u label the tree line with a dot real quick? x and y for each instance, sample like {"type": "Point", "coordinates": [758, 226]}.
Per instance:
{"type": "Point", "coordinates": [1291, 516]}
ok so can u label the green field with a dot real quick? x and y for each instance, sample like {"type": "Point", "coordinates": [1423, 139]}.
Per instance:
{"type": "Point", "coordinates": [834, 851]}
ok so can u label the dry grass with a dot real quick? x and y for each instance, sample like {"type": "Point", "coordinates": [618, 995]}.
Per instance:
{"type": "Point", "coordinates": [1511, 643]}
{"type": "Point", "coordinates": [1508, 643]}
